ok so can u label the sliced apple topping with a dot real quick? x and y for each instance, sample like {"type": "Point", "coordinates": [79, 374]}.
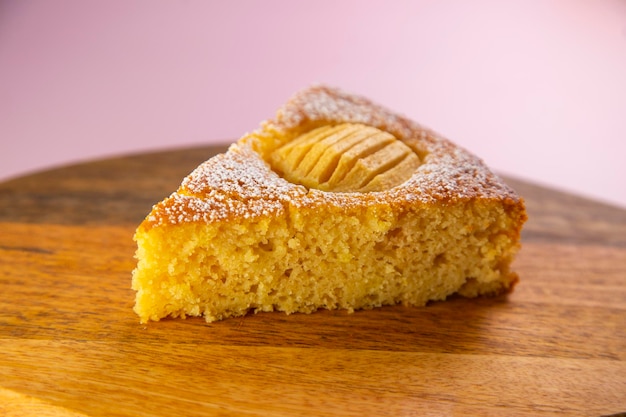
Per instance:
{"type": "Point", "coordinates": [348, 157]}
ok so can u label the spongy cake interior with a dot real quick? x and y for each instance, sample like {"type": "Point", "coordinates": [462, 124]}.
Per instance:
{"type": "Point", "coordinates": [307, 259]}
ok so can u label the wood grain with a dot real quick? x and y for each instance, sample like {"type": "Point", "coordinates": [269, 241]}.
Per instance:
{"type": "Point", "coordinates": [71, 346]}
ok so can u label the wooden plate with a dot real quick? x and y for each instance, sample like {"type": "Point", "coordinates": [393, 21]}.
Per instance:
{"type": "Point", "coordinates": [70, 344]}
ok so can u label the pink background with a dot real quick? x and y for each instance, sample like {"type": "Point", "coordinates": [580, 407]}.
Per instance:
{"type": "Point", "coordinates": [536, 88]}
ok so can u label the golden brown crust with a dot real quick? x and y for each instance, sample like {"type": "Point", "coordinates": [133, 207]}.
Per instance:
{"type": "Point", "coordinates": [240, 183]}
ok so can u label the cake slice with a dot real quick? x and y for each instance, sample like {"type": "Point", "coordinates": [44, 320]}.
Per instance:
{"type": "Point", "coordinates": [335, 203]}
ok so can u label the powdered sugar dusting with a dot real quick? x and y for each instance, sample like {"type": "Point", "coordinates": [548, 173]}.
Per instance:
{"type": "Point", "coordinates": [235, 184]}
{"type": "Point", "coordinates": [240, 184]}
{"type": "Point", "coordinates": [333, 106]}
{"type": "Point", "coordinates": [240, 174]}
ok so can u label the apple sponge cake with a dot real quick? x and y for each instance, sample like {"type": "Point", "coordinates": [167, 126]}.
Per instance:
{"type": "Point", "coordinates": [335, 203]}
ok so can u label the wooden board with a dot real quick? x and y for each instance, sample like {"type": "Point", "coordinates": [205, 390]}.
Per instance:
{"type": "Point", "coordinates": [70, 344]}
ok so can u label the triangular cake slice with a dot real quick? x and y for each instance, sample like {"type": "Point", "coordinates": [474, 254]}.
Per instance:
{"type": "Point", "coordinates": [335, 203]}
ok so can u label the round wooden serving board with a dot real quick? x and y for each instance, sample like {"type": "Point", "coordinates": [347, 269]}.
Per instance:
{"type": "Point", "coordinates": [70, 344]}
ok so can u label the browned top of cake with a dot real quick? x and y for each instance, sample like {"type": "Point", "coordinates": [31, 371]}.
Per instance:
{"type": "Point", "coordinates": [241, 183]}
